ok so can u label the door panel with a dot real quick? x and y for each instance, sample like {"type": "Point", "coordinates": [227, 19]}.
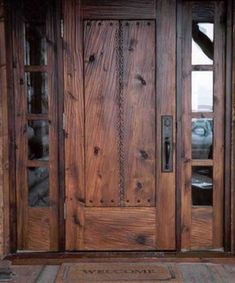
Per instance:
{"type": "Point", "coordinates": [119, 75]}
{"type": "Point", "coordinates": [139, 112]}
{"type": "Point", "coordinates": [101, 113]}
{"type": "Point", "coordinates": [120, 228]}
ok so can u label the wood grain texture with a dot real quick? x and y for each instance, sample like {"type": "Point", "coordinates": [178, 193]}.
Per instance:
{"type": "Point", "coordinates": [228, 151]}
{"type": "Point", "coordinates": [186, 154]}
{"type": "Point", "coordinates": [233, 133]}
{"type": "Point", "coordinates": [20, 126]}
{"type": "Point", "coordinates": [38, 230]}
{"type": "Point", "coordinates": [139, 112]}
{"type": "Point", "coordinates": [54, 128]}
{"type": "Point", "coordinates": [202, 228]}
{"type": "Point", "coordinates": [219, 121]}
{"type": "Point", "coordinates": [101, 113]}
{"type": "Point", "coordinates": [74, 124]}
{"type": "Point", "coordinates": [4, 186]}
{"type": "Point", "coordinates": [119, 9]}
{"type": "Point", "coordinates": [120, 229]}
{"type": "Point", "coordinates": [166, 105]}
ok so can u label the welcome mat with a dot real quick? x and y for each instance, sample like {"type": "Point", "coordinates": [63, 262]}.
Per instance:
{"type": "Point", "coordinates": [118, 272]}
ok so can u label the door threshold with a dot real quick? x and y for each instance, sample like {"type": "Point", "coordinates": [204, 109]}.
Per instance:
{"type": "Point", "coordinates": [54, 258]}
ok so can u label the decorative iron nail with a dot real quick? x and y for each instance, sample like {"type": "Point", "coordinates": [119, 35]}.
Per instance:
{"type": "Point", "coordinates": [96, 150]}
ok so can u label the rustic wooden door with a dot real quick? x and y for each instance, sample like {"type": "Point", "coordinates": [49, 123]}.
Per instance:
{"type": "Point", "coordinates": [119, 145]}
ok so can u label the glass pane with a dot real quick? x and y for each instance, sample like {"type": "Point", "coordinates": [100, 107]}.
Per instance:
{"type": "Point", "coordinates": [37, 92]}
{"type": "Point", "coordinates": [35, 44]}
{"type": "Point", "coordinates": [202, 91]}
{"type": "Point", "coordinates": [202, 138]}
{"type": "Point", "coordinates": [202, 43]}
{"type": "Point", "coordinates": [202, 185]}
{"type": "Point", "coordinates": [38, 145]}
{"type": "Point", "coordinates": [38, 184]}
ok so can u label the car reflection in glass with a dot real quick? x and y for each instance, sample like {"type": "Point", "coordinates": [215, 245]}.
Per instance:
{"type": "Point", "coordinates": [202, 185]}
{"type": "Point", "coordinates": [202, 136]}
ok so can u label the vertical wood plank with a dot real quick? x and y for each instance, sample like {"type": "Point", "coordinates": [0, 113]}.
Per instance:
{"type": "Point", "coordinates": [179, 124]}
{"type": "Point", "coordinates": [166, 103]}
{"type": "Point", "coordinates": [219, 97]}
{"type": "Point", "coordinates": [53, 101]}
{"type": "Point", "coordinates": [20, 129]}
{"type": "Point", "coordinates": [139, 112]}
{"type": "Point", "coordinates": [185, 162]}
{"type": "Point", "coordinates": [233, 129]}
{"type": "Point", "coordinates": [229, 142]}
{"type": "Point", "coordinates": [4, 140]}
{"type": "Point", "coordinates": [101, 113]}
{"type": "Point", "coordinates": [74, 125]}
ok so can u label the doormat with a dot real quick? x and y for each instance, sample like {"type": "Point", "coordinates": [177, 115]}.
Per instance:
{"type": "Point", "coordinates": [118, 272]}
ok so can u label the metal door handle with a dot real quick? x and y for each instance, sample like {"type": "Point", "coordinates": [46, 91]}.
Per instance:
{"type": "Point", "coordinates": [167, 139]}
{"type": "Point", "coordinates": [167, 152]}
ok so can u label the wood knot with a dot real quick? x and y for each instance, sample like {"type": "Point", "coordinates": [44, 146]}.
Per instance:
{"type": "Point", "coordinates": [76, 220]}
{"type": "Point", "coordinates": [92, 58]}
{"type": "Point", "coordinates": [139, 185]}
{"type": "Point", "coordinates": [144, 154]}
{"type": "Point", "coordinates": [141, 239]}
{"type": "Point", "coordinates": [141, 79]}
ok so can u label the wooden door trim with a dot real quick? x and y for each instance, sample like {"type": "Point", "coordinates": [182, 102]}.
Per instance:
{"type": "Point", "coordinates": [58, 258]}
{"type": "Point", "coordinates": [229, 131]}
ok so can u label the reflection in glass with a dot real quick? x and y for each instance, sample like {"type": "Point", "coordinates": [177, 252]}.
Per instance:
{"type": "Point", "coordinates": [202, 138]}
{"type": "Point", "coordinates": [38, 186]}
{"type": "Point", "coordinates": [35, 44]}
{"type": "Point", "coordinates": [202, 91]}
{"type": "Point", "coordinates": [37, 92]}
{"type": "Point", "coordinates": [202, 43]}
{"type": "Point", "coordinates": [202, 185]}
{"type": "Point", "coordinates": [38, 146]}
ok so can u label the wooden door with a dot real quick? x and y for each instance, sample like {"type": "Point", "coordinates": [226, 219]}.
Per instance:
{"type": "Point", "coordinates": [115, 193]}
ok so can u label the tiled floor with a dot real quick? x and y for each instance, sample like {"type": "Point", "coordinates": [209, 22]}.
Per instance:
{"type": "Point", "coordinates": [134, 272]}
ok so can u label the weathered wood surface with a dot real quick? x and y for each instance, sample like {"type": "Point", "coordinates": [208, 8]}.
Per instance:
{"type": "Point", "coordinates": [201, 228]}
{"type": "Point", "coordinates": [101, 113]}
{"type": "Point", "coordinates": [120, 229]}
{"type": "Point", "coordinates": [219, 122]}
{"type": "Point", "coordinates": [3, 138]}
{"type": "Point", "coordinates": [38, 232]}
{"type": "Point", "coordinates": [185, 162]}
{"type": "Point", "coordinates": [233, 133]}
{"type": "Point", "coordinates": [166, 105]}
{"type": "Point", "coordinates": [119, 9]}
{"type": "Point", "coordinates": [139, 112]}
{"type": "Point", "coordinates": [74, 124]}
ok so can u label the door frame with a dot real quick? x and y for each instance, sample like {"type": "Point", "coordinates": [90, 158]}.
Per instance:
{"type": "Point", "coordinates": [7, 103]}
